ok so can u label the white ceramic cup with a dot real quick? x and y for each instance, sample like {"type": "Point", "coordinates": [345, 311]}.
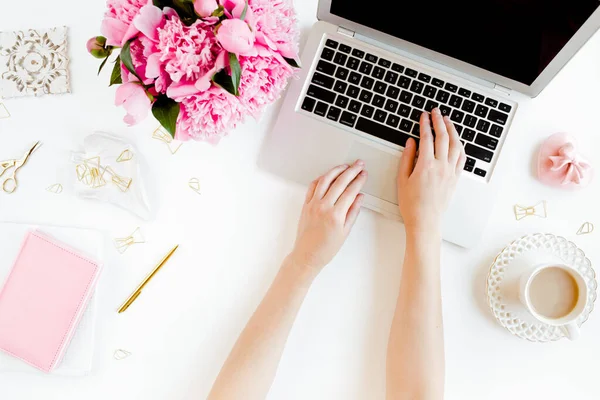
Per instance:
{"type": "Point", "coordinates": [567, 323]}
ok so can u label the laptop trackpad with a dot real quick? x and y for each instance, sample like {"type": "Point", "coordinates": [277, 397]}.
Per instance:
{"type": "Point", "coordinates": [382, 168]}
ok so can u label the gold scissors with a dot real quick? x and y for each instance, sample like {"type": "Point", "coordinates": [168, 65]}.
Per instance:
{"type": "Point", "coordinates": [11, 183]}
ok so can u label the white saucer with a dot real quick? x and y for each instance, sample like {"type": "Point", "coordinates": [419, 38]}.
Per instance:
{"type": "Point", "coordinates": [503, 284]}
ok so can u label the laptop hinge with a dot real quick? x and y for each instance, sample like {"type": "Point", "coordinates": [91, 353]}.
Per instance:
{"type": "Point", "coordinates": [345, 32]}
{"type": "Point", "coordinates": [502, 89]}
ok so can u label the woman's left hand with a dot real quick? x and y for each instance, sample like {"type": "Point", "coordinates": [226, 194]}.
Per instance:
{"type": "Point", "coordinates": [332, 205]}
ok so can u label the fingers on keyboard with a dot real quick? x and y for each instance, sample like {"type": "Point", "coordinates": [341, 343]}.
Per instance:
{"type": "Point", "coordinates": [374, 95]}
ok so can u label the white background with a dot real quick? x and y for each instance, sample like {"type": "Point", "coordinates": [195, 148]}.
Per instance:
{"type": "Point", "coordinates": [235, 234]}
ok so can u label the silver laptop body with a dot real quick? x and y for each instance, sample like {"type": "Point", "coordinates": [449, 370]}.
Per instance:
{"type": "Point", "coordinates": [330, 113]}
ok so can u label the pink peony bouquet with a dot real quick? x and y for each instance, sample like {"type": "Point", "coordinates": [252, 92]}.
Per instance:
{"type": "Point", "coordinates": [199, 66]}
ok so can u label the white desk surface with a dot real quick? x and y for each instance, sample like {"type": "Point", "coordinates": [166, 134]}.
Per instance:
{"type": "Point", "coordinates": [234, 236]}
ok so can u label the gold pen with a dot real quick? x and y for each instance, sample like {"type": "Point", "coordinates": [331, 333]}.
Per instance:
{"type": "Point", "coordinates": [139, 289]}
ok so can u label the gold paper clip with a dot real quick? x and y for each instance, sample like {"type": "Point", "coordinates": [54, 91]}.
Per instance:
{"type": "Point", "coordinates": [57, 188]}
{"type": "Point", "coordinates": [586, 229]}
{"type": "Point", "coordinates": [122, 182]}
{"type": "Point", "coordinates": [126, 155]}
{"type": "Point", "coordinates": [4, 111]}
{"type": "Point", "coordinates": [166, 138]}
{"type": "Point", "coordinates": [81, 170]}
{"type": "Point", "coordinates": [121, 354]}
{"type": "Point", "coordinates": [84, 174]}
{"type": "Point", "coordinates": [124, 243]}
{"type": "Point", "coordinates": [96, 178]}
{"type": "Point", "coordinates": [93, 162]}
{"type": "Point", "coordinates": [194, 184]}
{"type": "Point", "coordinates": [539, 210]}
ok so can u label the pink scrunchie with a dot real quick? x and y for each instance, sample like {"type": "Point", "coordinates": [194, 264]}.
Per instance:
{"type": "Point", "coordinates": [561, 165]}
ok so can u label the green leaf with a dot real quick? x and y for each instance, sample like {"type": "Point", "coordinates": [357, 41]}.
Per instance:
{"type": "Point", "coordinates": [223, 79]}
{"type": "Point", "coordinates": [231, 83]}
{"type": "Point", "coordinates": [243, 16]}
{"type": "Point", "coordinates": [115, 77]}
{"type": "Point", "coordinates": [166, 111]}
{"type": "Point", "coordinates": [126, 58]}
{"type": "Point", "coordinates": [236, 72]}
{"type": "Point", "coordinates": [218, 12]}
{"type": "Point", "coordinates": [292, 62]}
{"type": "Point", "coordinates": [103, 64]}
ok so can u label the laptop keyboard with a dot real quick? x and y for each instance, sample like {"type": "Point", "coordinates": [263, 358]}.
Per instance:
{"type": "Point", "coordinates": [385, 99]}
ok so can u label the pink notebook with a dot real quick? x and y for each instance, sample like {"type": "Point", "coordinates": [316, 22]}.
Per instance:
{"type": "Point", "coordinates": [43, 299]}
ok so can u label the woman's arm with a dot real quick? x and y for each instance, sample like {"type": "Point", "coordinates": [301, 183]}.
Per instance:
{"type": "Point", "coordinates": [251, 366]}
{"type": "Point", "coordinates": [415, 364]}
{"type": "Point", "coordinates": [415, 360]}
{"type": "Point", "coordinates": [330, 210]}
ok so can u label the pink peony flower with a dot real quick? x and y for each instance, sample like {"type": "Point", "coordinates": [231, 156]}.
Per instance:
{"type": "Point", "coordinates": [148, 21]}
{"type": "Point", "coordinates": [156, 72]}
{"type": "Point", "coordinates": [211, 114]}
{"type": "Point", "coordinates": [180, 61]}
{"type": "Point", "coordinates": [205, 8]}
{"type": "Point", "coordinates": [141, 50]}
{"type": "Point", "coordinates": [264, 79]}
{"type": "Point", "coordinates": [117, 25]}
{"type": "Point", "coordinates": [133, 98]}
{"type": "Point", "coordinates": [208, 115]}
{"type": "Point", "coordinates": [276, 26]}
{"type": "Point", "coordinates": [188, 55]}
{"type": "Point", "coordinates": [235, 36]}
{"type": "Point", "coordinates": [235, 8]}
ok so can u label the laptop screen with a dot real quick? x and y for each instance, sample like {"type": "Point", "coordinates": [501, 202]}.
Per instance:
{"type": "Point", "coordinates": [513, 38]}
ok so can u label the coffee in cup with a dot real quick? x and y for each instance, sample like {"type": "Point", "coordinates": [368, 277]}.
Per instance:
{"type": "Point", "coordinates": [554, 292]}
{"type": "Point", "coordinates": [556, 295]}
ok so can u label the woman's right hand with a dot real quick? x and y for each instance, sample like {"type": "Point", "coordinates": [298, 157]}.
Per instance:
{"type": "Point", "coordinates": [425, 188]}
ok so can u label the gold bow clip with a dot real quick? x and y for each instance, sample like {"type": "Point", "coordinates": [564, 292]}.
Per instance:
{"type": "Point", "coordinates": [539, 210]}
{"type": "Point", "coordinates": [122, 244]}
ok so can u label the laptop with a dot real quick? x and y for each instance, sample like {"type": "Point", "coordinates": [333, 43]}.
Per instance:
{"type": "Point", "coordinates": [370, 69]}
